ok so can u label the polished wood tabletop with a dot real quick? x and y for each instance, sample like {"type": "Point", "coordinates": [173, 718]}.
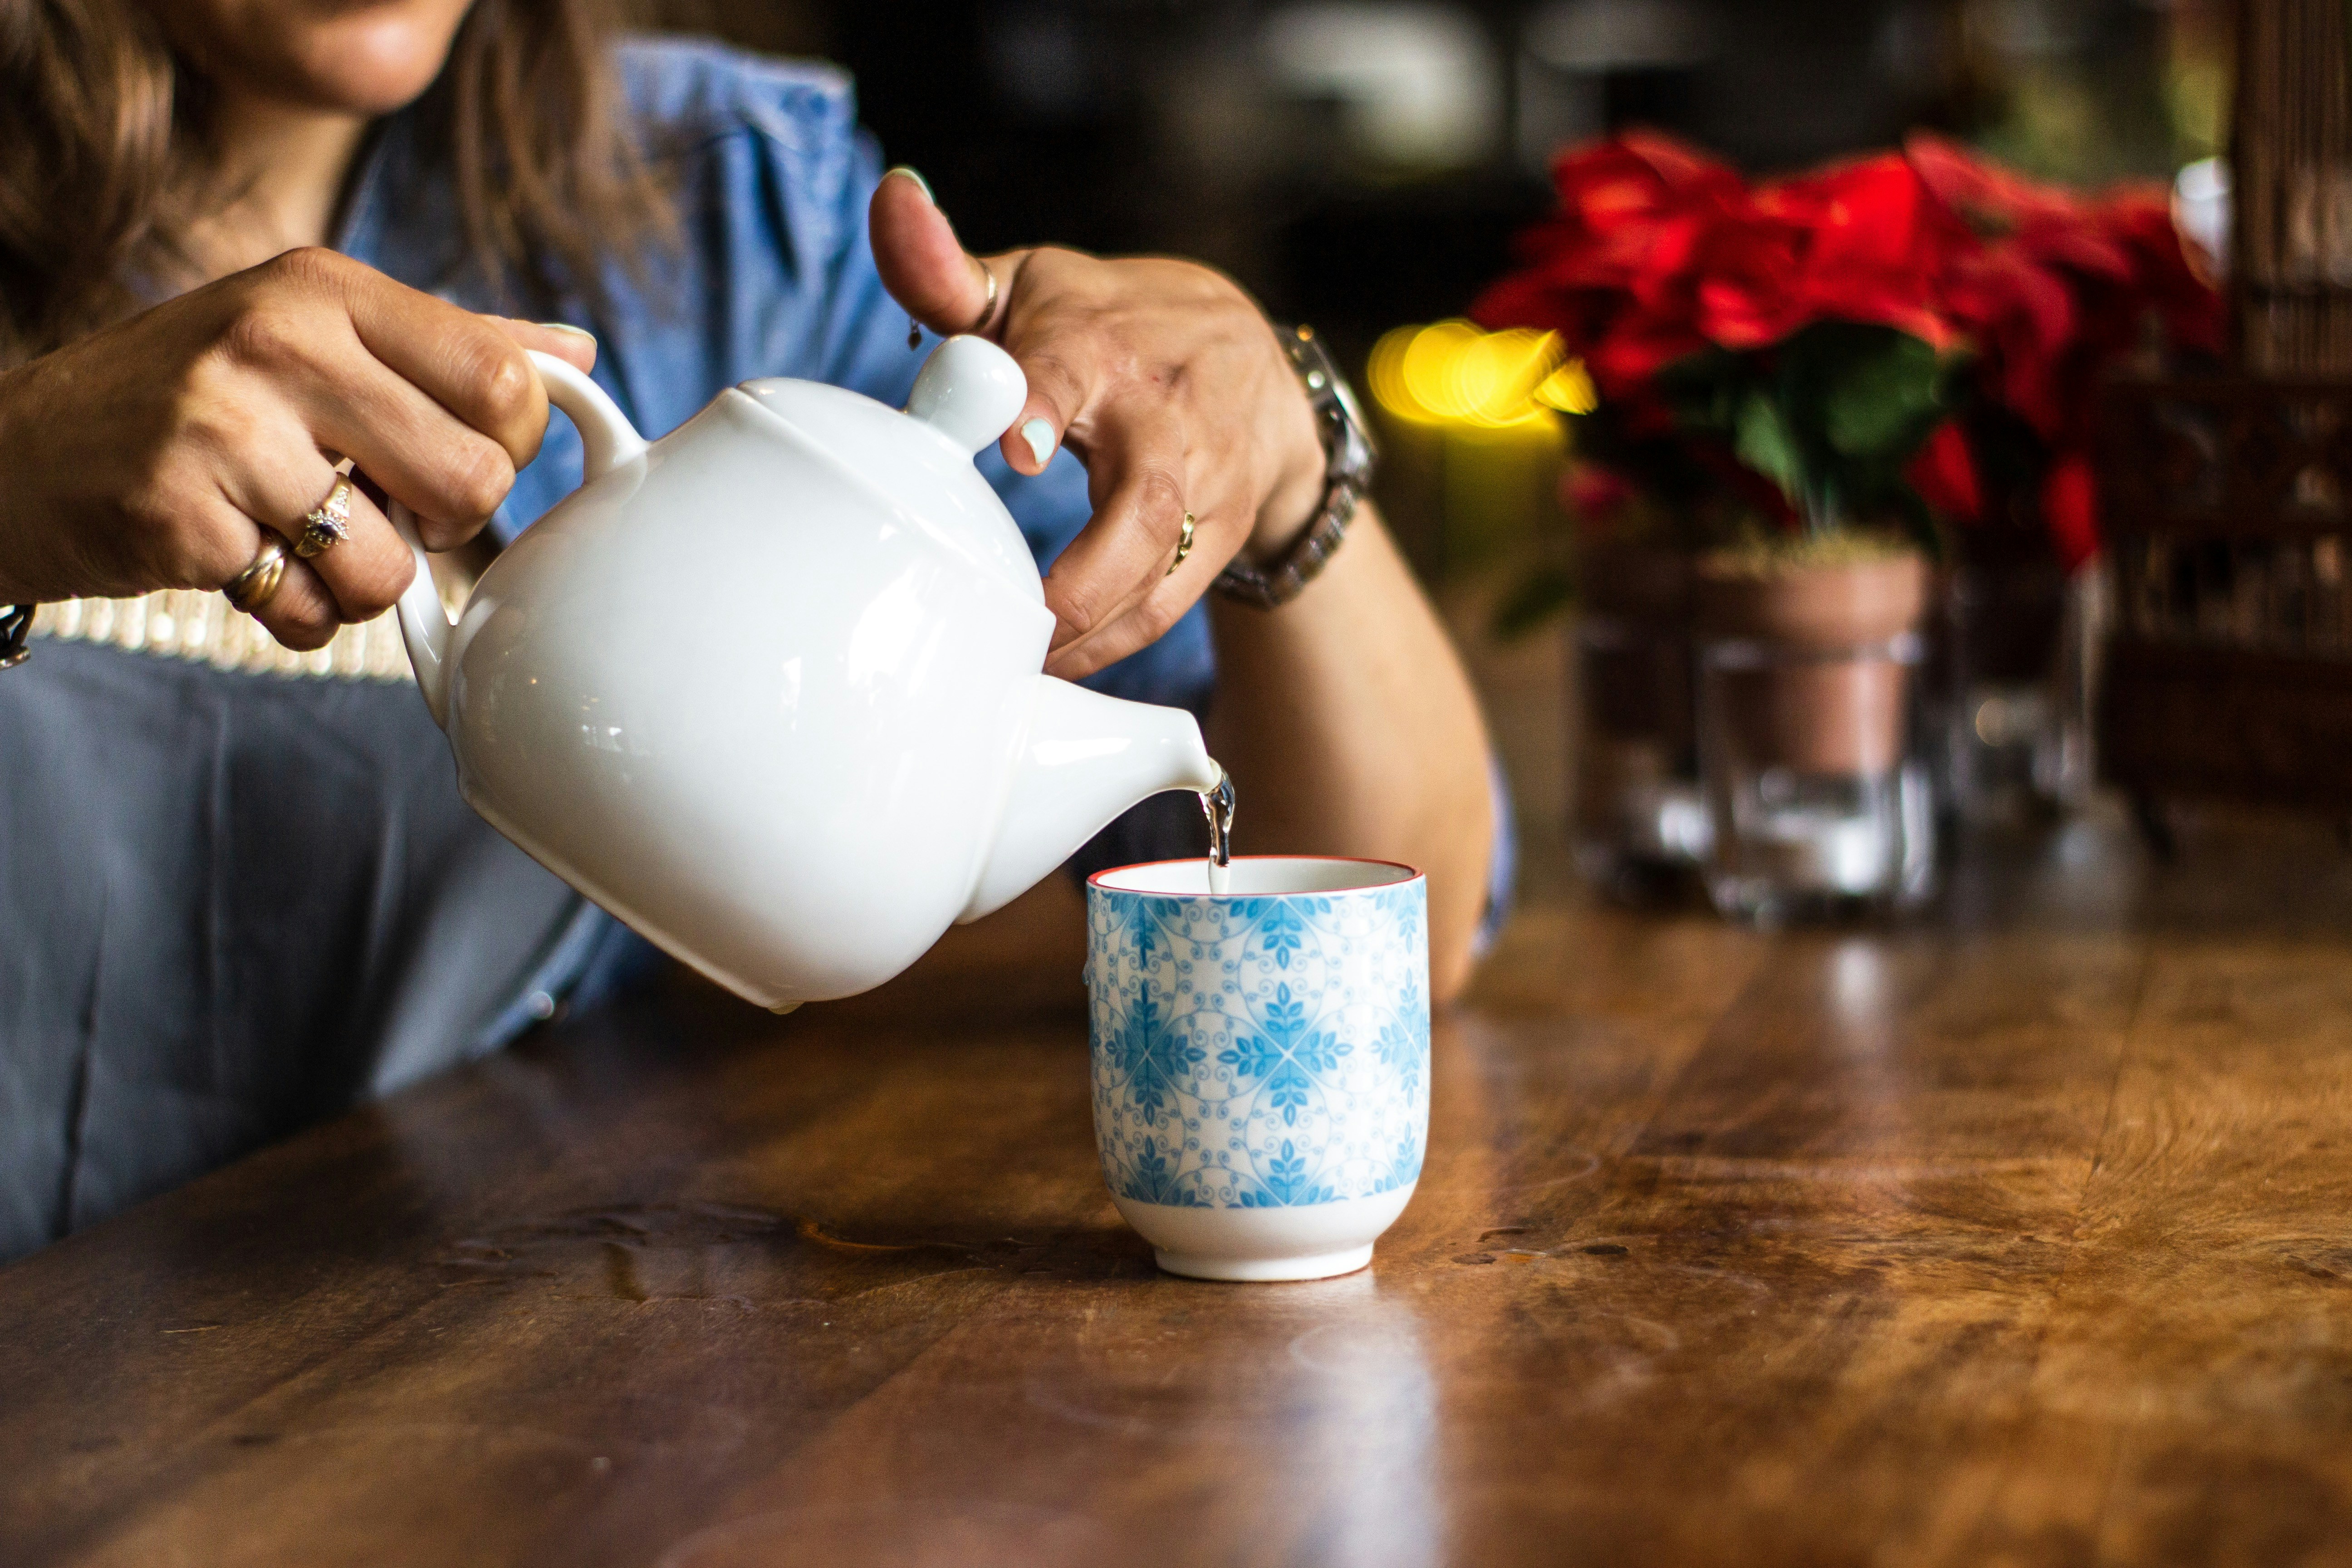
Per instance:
{"type": "Point", "coordinates": [2018, 1234]}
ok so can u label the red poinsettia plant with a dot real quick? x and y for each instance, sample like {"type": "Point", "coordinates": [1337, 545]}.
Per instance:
{"type": "Point", "coordinates": [1903, 338]}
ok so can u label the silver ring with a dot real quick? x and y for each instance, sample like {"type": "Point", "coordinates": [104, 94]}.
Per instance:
{"type": "Point", "coordinates": [328, 523]}
{"type": "Point", "coordinates": [255, 586]}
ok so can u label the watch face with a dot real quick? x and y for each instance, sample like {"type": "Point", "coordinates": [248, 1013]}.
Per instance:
{"type": "Point", "coordinates": [1356, 421]}
{"type": "Point", "coordinates": [1356, 449]}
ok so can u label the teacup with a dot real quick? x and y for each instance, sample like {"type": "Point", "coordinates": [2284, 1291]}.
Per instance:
{"type": "Point", "coordinates": [1261, 1058]}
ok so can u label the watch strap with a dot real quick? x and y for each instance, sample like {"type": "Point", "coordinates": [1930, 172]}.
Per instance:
{"type": "Point", "coordinates": [1271, 587]}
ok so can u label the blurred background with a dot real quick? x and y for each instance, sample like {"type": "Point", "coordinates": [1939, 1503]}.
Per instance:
{"type": "Point", "coordinates": [1359, 164]}
{"type": "Point", "coordinates": [1363, 165]}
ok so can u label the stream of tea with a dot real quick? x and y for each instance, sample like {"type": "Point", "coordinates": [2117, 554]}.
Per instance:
{"type": "Point", "coordinates": [1217, 805]}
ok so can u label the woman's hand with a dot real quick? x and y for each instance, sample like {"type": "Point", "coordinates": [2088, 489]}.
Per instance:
{"type": "Point", "coordinates": [1165, 379]}
{"type": "Point", "coordinates": [152, 454]}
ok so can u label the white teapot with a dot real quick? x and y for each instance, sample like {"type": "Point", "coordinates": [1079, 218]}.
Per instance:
{"type": "Point", "coordinates": [768, 688]}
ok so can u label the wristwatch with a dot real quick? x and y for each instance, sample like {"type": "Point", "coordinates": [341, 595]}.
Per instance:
{"type": "Point", "coordinates": [16, 625]}
{"type": "Point", "coordinates": [1348, 458]}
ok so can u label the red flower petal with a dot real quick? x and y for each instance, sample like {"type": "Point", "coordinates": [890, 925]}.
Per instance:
{"type": "Point", "coordinates": [2070, 509]}
{"type": "Point", "coordinates": [1945, 476]}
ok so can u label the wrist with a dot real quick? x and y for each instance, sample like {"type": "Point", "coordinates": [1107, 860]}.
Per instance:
{"type": "Point", "coordinates": [1289, 545]}
{"type": "Point", "coordinates": [1289, 509]}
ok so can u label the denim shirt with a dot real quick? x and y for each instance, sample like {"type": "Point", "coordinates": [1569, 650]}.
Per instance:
{"type": "Point", "coordinates": [769, 176]}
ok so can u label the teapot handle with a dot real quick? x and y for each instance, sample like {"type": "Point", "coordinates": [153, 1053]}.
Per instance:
{"type": "Point", "coordinates": [607, 440]}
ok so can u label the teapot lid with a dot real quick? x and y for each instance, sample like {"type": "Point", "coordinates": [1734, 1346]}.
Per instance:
{"type": "Point", "coordinates": [967, 395]}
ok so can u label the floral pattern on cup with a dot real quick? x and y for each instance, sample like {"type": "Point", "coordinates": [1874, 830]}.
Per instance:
{"type": "Point", "coordinates": [1259, 1052]}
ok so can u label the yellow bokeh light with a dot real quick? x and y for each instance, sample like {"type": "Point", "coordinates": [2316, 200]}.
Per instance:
{"type": "Point", "coordinates": [1569, 389]}
{"type": "Point", "coordinates": [1432, 363]}
{"type": "Point", "coordinates": [1451, 373]}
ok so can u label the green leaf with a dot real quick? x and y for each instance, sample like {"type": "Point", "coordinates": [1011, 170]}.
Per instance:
{"type": "Point", "coordinates": [1885, 398]}
{"type": "Point", "coordinates": [1763, 440]}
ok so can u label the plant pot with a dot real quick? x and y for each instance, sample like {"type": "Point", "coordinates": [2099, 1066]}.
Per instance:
{"type": "Point", "coordinates": [1638, 824]}
{"type": "Point", "coordinates": [1806, 687]}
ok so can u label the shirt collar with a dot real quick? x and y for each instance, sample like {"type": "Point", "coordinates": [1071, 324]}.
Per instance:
{"type": "Point", "coordinates": [402, 218]}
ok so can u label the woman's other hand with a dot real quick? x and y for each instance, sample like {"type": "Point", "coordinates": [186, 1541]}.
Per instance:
{"type": "Point", "coordinates": [1165, 379]}
{"type": "Point", "coordinates": [153, 455]}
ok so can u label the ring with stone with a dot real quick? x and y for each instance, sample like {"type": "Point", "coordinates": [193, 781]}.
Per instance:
{"type": "Point", "coordinates": [328, 523]}
{"type": "Point", "coordinates": [255, 586]}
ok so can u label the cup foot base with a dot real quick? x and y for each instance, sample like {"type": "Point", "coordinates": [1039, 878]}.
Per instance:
{"type": "Point", "coordinates": [1316, 1266]}
{"type": "Point", "coordinates": [1302, 1241]}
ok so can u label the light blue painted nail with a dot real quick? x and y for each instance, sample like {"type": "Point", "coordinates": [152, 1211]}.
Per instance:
{"type": "Point", "coordinates": [922, 183]}
{"type": "Point", "coordinates": [1039, 434]}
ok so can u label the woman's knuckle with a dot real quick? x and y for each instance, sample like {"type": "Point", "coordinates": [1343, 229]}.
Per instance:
{"type": "Point", "coordinates": [207, 381]}
{"type": "Point", "coordinates": [177, 561]}
{"type": "Point", "coordinates": [304, 626]}
{"type": "Point", "coordinates": [231, 431]}
{"type": "Point", "coordinates": [306, 267]}
{"type": "Point", "coordinates": [196, 562]}
{"type": "Point", "coordinates": [1082, 604]}
{"type": "Point", "coordinates": [1159, 496]}
{"type": "Point", "coordinates": [158, 543]}
{"type": "Point", "coordinates": [1051, 371]}
{"type": "Point", "coordinates": [264, 334]}
{"type": "Point", "coordinates": [440, 533]}
{"type": "Point", "coordinates": [505, 386]}
{"type": "Point", "coordinates": [479, 480]}
{"type": "Point", "coordinates": [366, 601]}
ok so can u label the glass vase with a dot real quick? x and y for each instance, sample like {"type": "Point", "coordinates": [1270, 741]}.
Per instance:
{"type": "Point", "coordinates": [2017, 722]}
{"type": "Point", "coordinates": [1639, 824]}
{"type": "Point", "coordinates": [1817, 805]}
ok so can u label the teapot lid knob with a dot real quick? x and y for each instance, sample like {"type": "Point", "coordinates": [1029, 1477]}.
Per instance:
{"type": "Point", "coordinates": [970, 391]}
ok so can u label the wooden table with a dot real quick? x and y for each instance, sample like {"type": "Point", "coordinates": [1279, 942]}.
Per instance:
{"type": "Point", "coordinates": [2019, 1235]}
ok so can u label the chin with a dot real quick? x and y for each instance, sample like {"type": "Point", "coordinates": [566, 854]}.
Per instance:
{"type": "Point", "coordinates": [373, 61]}
{"type": "Point", "coordinates": [368, 60]}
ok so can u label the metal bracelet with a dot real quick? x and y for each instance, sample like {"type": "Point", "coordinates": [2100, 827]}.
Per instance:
{"type": "Point", "coordinates": [1271, 587]}
{"type": "Point", "coordinates": [15, 628]}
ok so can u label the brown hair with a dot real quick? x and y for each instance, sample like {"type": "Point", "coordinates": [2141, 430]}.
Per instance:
{"type": "Point", "coordinates": [103, 158]}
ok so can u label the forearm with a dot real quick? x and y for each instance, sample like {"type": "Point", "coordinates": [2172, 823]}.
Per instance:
{"type": "Point", "coordinates": [1350, 728]}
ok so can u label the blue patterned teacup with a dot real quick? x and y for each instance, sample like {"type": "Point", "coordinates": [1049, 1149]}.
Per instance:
{"type": "Point", "coordinates": [1261, 1058]}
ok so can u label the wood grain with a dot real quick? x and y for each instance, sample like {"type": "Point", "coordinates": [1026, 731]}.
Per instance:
{"type": "Point", "coordinates": [2017, 1235]}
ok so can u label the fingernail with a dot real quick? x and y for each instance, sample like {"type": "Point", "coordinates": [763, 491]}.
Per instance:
{"type": "Point", "coordinates": [568, 327]}
{"type": "Point", "coordinates": [922, 183]}
{"type": "Point", "coordinates": [1039, 437]}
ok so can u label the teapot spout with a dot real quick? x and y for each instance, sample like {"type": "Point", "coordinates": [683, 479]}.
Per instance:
{"type": "Point", "coordinates": [1088, 758]}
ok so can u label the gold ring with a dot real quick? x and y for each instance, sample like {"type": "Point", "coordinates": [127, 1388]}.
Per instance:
{"type": "Point", "coordinates": [252, 588]}
{"type": "Point", "coordinates": [987, 311]}
{"type": "Point", "coordinates": [1184, 547]}
{"type": "Point", "coordinates": [328, 523]}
